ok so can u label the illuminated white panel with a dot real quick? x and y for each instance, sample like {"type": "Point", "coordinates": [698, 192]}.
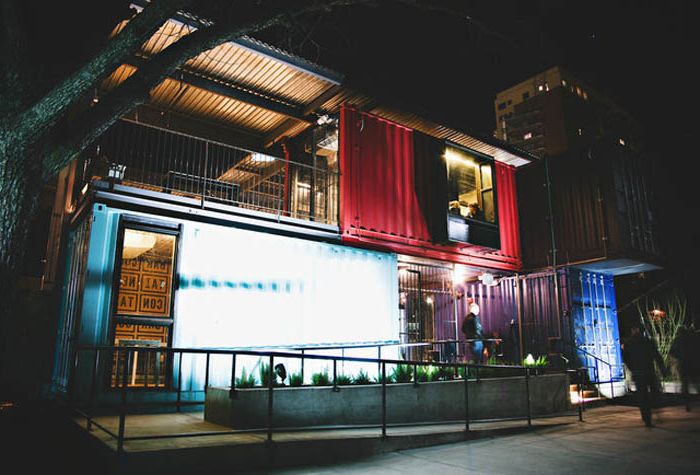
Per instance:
{"type": "Point", "coordinates": [242, 288]}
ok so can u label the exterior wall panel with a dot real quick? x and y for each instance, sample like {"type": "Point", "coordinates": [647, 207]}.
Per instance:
{"type": "Point", "coordinates": [594, 316]}
{"type": "Point", "coordinates": [380, 205]}
{"type": "Point", "coordinates": [601, 210]}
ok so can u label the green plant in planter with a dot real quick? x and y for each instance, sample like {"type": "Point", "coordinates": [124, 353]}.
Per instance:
{"type": "Point", "coordinates": [462, 371]}
{"type": "Point", "coordinates": [402, 373]}
{"type": "Point", "coordinates": [440, 373]}
{"type": "Point", "coordinates": [361, 378]}
{"type": "Point", "coordinates": [245, 381]}
{"type": "Point", "coordinates": [378, 379]}
{"type": "Point", "coordinates": [264, 372]}
{"type": "Point", "coordinates": [296, 380]}
{"type": "Point", "coordinates": [343, 380]}
{"type": "Point", "coordinates": [422, 374]}
{"type": "Point", "coordinates": [537, 364]}
{"type": "Point", "coordinates": [321, 379]}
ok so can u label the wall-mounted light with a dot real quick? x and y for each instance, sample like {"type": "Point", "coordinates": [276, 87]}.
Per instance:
{"type": "Point", "coordinates": [487, 279]}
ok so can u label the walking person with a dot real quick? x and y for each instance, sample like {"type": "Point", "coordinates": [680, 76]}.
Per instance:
{"type": "Point", "coordinates": [639, 354]}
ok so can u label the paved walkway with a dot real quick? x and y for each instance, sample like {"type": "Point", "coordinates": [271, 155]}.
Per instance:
{"type": "Point", "coordinates": [612, 440]}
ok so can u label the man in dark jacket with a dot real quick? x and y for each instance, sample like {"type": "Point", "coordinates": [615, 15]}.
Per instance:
{"type": "Point", "coordinates": [471, 327]}
{"type": "Point", "coordinates": [639, 354]}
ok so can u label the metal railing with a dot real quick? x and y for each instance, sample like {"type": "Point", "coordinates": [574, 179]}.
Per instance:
{"type": "Point", "coordinates": [596, 368]}
{"type": "Point", "coordinates": [124, 356]}
{"type": "Point", "coordinates": [184, 166]}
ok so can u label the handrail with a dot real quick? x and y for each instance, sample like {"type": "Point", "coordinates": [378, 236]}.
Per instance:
{"type": "Point", "coordinates": [281, 354]}
{"type": "Point", "coordinates": [123, 388]}
{"type": "Point", "coordinates": [597, 358]}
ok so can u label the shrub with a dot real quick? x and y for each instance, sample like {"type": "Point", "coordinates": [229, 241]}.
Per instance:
{"type": "Point", "coordinates": [540, 362]}
{"type": "Point", "coordinates": [343, 380]}
{"type": "Point", "coordinates": [440, 373]}
{"type": "Point", "coordinates": [245, 381]}
{"type": "Point", "coordinates": [663, 319]}
{"type": "Point", "coordinates": [402, 373]}
{"type": "Point", "coordinates": [295, 379]}
{"type": "Point", "coordinates": [461, 371]}
{"type": "Point", "coordinates": [320, 379]}
{"type": "Point", "coordinates": [378, 379]}
{"type": "Point", "coordinates": [361, 378]}
{"type": "Point", "coordinates": [422, 374]}
{"type": "Point", "coordinates": [264, 372]}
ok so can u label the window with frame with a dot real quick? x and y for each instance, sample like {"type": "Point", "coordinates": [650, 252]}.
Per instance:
{"type": "Point", "coordinates": [142, 312]}
{"type": "Point", "coordinates": [470, 187]}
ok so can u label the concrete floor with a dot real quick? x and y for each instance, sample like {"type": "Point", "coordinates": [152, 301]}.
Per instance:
{"type": "Point", "coordinates": [611, 440]}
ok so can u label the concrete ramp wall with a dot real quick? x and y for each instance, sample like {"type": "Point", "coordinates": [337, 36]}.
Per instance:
{"type": "Point", "coordinates": [406, 403]}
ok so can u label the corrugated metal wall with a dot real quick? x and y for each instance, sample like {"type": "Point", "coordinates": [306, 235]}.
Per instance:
{"type": "Point", "coordinates": [544, 301]}
{"type": "Point", "coordinates": [383, 202]}
{"type": "Point", "coordinates": [601, 209]}
{"type": "Point", "coordinates": [594, 316]}
{"type": "Point", "coordinates": [633, 205]}
{"type": "Point", "coordinates": [71, 304]}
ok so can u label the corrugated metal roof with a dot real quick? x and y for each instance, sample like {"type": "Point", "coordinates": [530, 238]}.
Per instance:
{"type": "Point", "coordinates": [263, 70]}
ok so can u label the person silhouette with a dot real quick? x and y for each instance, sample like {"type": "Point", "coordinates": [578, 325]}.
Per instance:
{"type": "Point", "coordinates": [639, 353]}
{"type": "Point", "coordinates": [471, 327]}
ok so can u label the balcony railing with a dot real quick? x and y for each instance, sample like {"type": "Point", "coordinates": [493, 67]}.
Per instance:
{"type": "Point", "coordinates": [180, 165]}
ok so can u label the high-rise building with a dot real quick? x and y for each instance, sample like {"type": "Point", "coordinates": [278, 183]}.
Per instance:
{"type": "Point", "coordinates": [553, 112]}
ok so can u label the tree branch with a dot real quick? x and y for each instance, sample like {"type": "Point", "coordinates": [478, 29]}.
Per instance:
{"type": "Point", "coordinates": [136, 89]}
{"type": "Point", "coordinates": [33, 122]}
{"type": "Point", "coordinates": [14, 45]}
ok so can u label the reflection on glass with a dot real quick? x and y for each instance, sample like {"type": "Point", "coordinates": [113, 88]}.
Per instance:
{"type": "Point", "coordinates": [145, 275]}
{"type": "Point", "coordinates": [139, 368]}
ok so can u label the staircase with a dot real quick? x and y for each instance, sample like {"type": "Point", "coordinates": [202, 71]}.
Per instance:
{"type": "Point", "coordinates": [589, 392]}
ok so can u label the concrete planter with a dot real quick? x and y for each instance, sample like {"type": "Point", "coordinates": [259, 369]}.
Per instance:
{"type": "Point", "coordinates": [406, 403]}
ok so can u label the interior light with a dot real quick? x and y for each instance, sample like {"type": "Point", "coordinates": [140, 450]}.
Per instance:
{"type": "Point", "coordinates": [136, 243]}
{"type": "Point", "coordinates": [429, 300]}
{"type": "Point", "coordinates": [452, 155]}
{"type": "Point", "coordinates": [261, 158]}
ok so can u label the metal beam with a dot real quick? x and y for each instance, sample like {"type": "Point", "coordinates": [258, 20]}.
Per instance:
{"type": "Point", "coordinates": [241, 95]}
{"type": "Point", "coordinates": [263, 49]}
{"type": "Point", "coordinates": [275, 134]}
{"type": "Point", "coordinates": [273, 169]}
{"type": "Point", "coordinates": [234, 91]}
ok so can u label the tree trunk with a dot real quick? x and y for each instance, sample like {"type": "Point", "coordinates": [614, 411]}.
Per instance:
{"type": "Point", "coordinates": [19, 191]}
